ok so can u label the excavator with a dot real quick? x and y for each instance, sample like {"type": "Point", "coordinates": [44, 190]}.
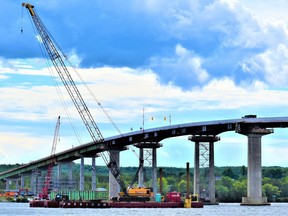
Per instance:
{"type": "Point", "coordinates": [136, 193]}
{"type": "Point", "coordinates": [55, 55]}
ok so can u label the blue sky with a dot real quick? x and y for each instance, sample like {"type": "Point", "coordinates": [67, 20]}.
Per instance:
{"type": "Point", "coordinates": [191, 60]}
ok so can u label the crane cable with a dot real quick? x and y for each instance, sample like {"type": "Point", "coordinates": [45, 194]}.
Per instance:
{"type": "Point", "coordinates": [93, 95]}
{"type": "Point", "coordinates": [76, 72]}
{"type": "Point", "coordinates": [22, 20]}
{"type": "Point", "coordinates": [57, 86]}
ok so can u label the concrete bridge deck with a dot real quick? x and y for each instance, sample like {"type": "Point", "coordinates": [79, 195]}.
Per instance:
{"type": "Point", "coordinates": [153, 135]}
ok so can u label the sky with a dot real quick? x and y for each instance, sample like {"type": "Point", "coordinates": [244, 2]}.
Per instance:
{"type": "Point", "coordinates": [183, 61]}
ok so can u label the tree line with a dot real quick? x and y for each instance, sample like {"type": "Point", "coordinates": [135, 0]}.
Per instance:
{"type": "Point", "coordinates": [230, 185]}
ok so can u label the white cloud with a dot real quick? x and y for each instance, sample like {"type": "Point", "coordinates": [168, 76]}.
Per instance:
{"type": "Point", "coordinates": [272, 64]}
{"type": "Point", "coordinates": [36, 103]}
{"type": "Point", "coordinates": [264, 10]}
{"type": "Point", "coordinates": [183, 68]}
{"type": "Point", "coordinates": [2, 77]}
{"type": "Point", "coordinates": [124, 91]}
{"type": "Point", "coordinates": [20, 147]}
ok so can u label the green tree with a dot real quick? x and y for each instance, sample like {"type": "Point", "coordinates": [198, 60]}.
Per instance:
{"type": "Point", "coordinates": [284, 187]}
{"type": "Point", "coordinates": [165, 186]}
{"type": "Point", "coordinates": [229, 173]}
{"type": "Point", "coordinates": [269, 190]}
{"type": "Point", "coordinates": [224, 189]}
{"type": "Point", "coordinates": [243, 171]}
{"type": "Point", "coordinates": [222, 192]}
{"type": "Point", "coordinates": [273, 172]}
{"type": "Point", "coordinates": [239, 190]}
{"type": "Point", "coordinates": [182, 186]}
{"type": "Point", "coordinates": [172, 182]}
{"type": "Point", "coordinates": [226, 182]}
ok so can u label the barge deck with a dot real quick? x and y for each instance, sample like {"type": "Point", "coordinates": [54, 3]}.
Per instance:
{"type": "Point", "coordinates": [108, 204]}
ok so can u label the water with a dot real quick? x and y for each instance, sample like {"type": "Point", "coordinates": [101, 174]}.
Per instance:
{"type": "Point", "coordinates": [17, 209]}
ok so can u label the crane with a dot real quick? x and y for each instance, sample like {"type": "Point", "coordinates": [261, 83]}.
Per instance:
{"type": "Point", "coordinates": [75, 95]}
{"type": "Point", "coordinates": [45, 190]}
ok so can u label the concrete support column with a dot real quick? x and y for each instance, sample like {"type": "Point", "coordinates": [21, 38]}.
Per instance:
{"type": "Point", "coordinates": [33, 182]}
{"type": "Point", "coordinates": [22, 182]}
{"type": "Point", "coordinates": [114, 187]}
{"type": "Point", "coordinates": [154, 171]}
{"type": "Point", "coordinates": [254, 175]}
{"type": "Point", "coordinates": [211, 139]}
{"type": "Point", "coordinates": [211, 174]}
{"type": "Point", "coordinates": [71, 183]}
{"type": "Point", "coordinates": [196, 186]}
{"type": "Point", "coordinates": [58, 177]}
{"type": "Point", "coordinates": [17, 184]}
{"type": "Point", "coordinates": [93, 174]}
{"type": "Point", "coordinates": [40, 182]}
{"type": "Point", "coordinates": [254, 166]}
{"type": "Point", "coordinates": [81, 184]}
{"type": "Point", "coordinates": [70, 171]}
{"type": "Point", "coordinates": [7, 184]}
{"type": "Point", "coordinates": [141, 171]}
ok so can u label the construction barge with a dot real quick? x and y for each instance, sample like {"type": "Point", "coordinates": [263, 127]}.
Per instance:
{"type": "Point", "coordinates": [110, 204]}
{"type": "Point", "coordinates": [171, 200]}
{"type": "Point", "coordinates": [139, 197]}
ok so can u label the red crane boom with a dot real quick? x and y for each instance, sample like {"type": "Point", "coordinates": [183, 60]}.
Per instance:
{"type": "Point", "coordinates": [46, 188]}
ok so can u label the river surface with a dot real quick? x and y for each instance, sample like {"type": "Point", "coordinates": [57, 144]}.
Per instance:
{"type": "Point", "coordinates": [234, 209]}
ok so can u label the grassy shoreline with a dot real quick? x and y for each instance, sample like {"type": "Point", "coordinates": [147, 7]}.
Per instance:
{"type": "Point", "coordinates": [12, 199]}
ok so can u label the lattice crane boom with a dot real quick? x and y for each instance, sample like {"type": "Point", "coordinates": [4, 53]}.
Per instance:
{"type": "Point", "coordinates": [75, 95]}
{"type": "Point", "coordinates": [56, 135]}
{"type": "Point", "coordinates": [46, 188]}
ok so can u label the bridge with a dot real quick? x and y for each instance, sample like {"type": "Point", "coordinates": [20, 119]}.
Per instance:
{"type": "Point", "coordinates": [251, 126]}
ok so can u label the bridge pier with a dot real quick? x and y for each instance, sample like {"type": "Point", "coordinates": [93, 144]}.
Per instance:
{"type": "Point", "coordinates": [17, 184]}
{"type": "Point", "coordinates": [81, 183]}
{"type": "Point", "coordinates": [22, 181]}
{"type": "Point", "coordinates": [58, 176]}
{"type": "Point", "coordinates": [254, 175]}
{"type": "Point", "coordinates": [114, 187]}
{"type": "Point", "coordinates": [36, 181]}
{"type": "Point", "coordinates": [93, 174]}
{"type": "Point", "coordinates": [33, 182]}
{"type": "Point", "coordinates": [141, 171]}
{"type": "Point", "coordinates": [153, 146]}
{"type": "Point", "coordinates": [211, 199]}
{"type": "Point", "coordinates": [70, 171]}
{"type": "Point", "coordinates": [196, 189]}
{"type": "Point", "coordinates": [154, 171]}
{"type": "Point", "coordinates": [60, 183]}
{"type": "Point", "coordinates": [7, 186]}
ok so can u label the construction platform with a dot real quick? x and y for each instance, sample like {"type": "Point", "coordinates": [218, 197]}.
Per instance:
{"type": "Point", "coordinates": [109, 204]}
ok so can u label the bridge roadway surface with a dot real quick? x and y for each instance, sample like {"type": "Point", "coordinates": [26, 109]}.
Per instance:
{"type": "Point", "coordinates": [153, 135]}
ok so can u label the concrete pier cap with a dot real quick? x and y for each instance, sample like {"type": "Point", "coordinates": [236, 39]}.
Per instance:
{"type": "Point", "coordinates": [204, 138]}
{"type": "Point", "coordinates": [148, 145]}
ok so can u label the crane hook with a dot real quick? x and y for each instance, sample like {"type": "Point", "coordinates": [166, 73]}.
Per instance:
{"type": "Point", "coordinates": [22, 20]}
